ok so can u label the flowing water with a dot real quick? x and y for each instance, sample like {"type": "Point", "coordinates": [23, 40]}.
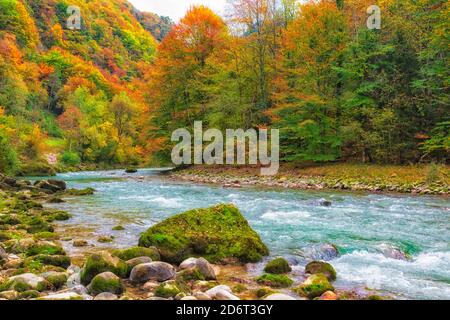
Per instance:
{"type": "Point", "coordinates": [292, 224]}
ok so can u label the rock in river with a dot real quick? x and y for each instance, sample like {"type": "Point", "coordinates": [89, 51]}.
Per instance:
{"type": "Point", "coordinates": [324, 268]}
{"type": "Point", "coordinates": [102, 262]}
{"type": "Point", "coordinates": [159, 271]}
{"type": "Point", "coordinates": [219, 234]}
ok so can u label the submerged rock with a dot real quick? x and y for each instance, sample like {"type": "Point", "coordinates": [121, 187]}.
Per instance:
{"type": "Point", "coordinates": [219, 234]}
{"type": "Point", "coordinates": [394, 253]}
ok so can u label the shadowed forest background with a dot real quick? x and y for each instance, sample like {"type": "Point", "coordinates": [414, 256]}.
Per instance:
{"type": "Point", "coordinates": [111, 93]}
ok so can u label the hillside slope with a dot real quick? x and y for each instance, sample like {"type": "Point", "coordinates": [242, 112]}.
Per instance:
{"type": "Point", "coordinates": [73, 93]}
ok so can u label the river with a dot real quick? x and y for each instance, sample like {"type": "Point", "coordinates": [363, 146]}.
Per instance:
{"type": "Point", "coordinates": [293, 224]}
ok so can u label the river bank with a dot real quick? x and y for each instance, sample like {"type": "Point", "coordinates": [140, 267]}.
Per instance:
{"type": "Point", "coordinates": [422, 180]}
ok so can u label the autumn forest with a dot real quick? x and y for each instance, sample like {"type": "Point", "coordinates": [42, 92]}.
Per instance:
{"type": "Point", "coordinates": [112, 92]}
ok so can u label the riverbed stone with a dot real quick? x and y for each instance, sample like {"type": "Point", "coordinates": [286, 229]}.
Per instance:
{"type": "Point", "coordinates": [277, 266]}
{"type": "Point", "coordinates": [63, 296]}
{"type": "Point", "coordinates": [168, 289]}
{"type": "Point", "coordinates": [80, 243]}
{"type": "Point", "coordinates": [321, 267]}
{"type": "Point", "coordinates": [315, 286]}
{"type": "Point", "coordinates": [74, 280]}
{"type": "Point", "coordinates": [329, 296]}
{"type": "Point", "coordinates": [279, 297]}
{"type": "Point", "coordinates": [9, 295]}
{"type": "Point", "coordinates": [135, 261]}
{"type": "Point", "coordinates": [275, 280]}
{"type": "Point", "coordinates": [106, 296]}
{"type": "Point", "coordinates": [56, 279]}
{"type": "Point", "coordinates": [102, 262]}
{"type": "Point", "coordinates": [28, 281]}
{"type": "Point", "coordinates": [220, 288]}
{"type": "Point", "coordinates": [219, 234]}
{"type": "Point", "coordinates": [106, 282]}
{"type": "Point", "coordinates": [205, 269]}
{"type": "Point", "coordinates": [159, 271]}
{"type": "Point", "coordinates": [188, 263]}
{"type": "Point", "coordinates": [136, 252]}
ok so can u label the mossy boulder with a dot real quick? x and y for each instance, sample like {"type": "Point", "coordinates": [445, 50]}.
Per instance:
{"type": "Point", "coordinates": [46, 248]}
{"type": "Point", "coordinates": [219, 234]}
{"type": "Point", "coordinates": [167, 289]}
{"type": "Point", "coordinates": [275, 280]}
{"type": "Point", "coordinates": [80, 193]}
{"type": "Point", "coordinates": [106, 282]}
{"type": "Point", "coordinates": [102, 262]}
{"type": "Point", "coordinates": [46, 236]}
{"type": "Point", "coordinates": [26, 282]}
{"type": "Point", "coordinates": [137, 252]}
{"type": "Point", "coordinates": [37, 168]}
{"type": "Point", "coordinates": [50, 260]}
{"type": "Point", "coordinates": [190, 275]}
{"type": "Point", "coordinates": [38, 225]}
{"type": "Point", "coordinates": [321, 267]}
{"type": "Point", "coordinates": [56, 279]}
{"type": "Point", "coordinates": [118, 228]}
{"type": "Point", "coordinates": [277, 266]}
{"type": "Point", "coordinates": [30, 294]}
{"type": "Point", "coordinates": [315, 286]}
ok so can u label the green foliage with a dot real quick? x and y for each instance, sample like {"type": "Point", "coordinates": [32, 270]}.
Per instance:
{"type": "Point", "coordinates": [70, 158]}
{"type": "Point", "coordinates": [8, 156]}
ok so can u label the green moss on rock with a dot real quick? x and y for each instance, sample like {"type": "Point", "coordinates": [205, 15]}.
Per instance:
{"type": "Point", "coordinates": [137, 252]}
{"type": "Point", "coordinates": [218, 234]}
{"type": "Point", "coordinates": [106, 282]}
{"type": "Point", "coordinates": [30, 294]}
{"type": "Point", "coordinates": [56, 279]}
{"type": "Point", "coordinates": [52, 260]}
{"type": "Point", "coordinates": [275, 280]}
{"type": "Point", "coordinates": [79, 193]}
{"type": "Point", "coordinates": [167, 290]}
{"type": "Point", "coordinates": [278, 266]}
{"type": "Point", "coordinates": [315, 286]}
{"type": "Point", "coordinates": [325, 268]}
{"type": "Point", "coordinates": [102, 262]}
{"type": "Point", "coordinates": [46, 248]}
{"type": "Point", "coordinates": [263, 292]}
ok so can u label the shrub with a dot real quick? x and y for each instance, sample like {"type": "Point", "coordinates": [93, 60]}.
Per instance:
{"type": "Point", "coordinates": [71, 158]}
{"type": "Point", "coordinates": [8, 156]}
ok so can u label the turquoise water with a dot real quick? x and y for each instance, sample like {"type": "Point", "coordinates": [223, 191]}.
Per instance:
{"type": "Point", "coordinates": [292, 224]}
